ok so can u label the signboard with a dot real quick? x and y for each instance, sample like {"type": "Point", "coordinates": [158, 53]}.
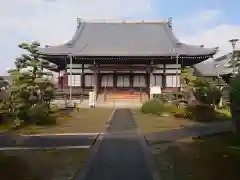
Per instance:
{"type": "Point", "coordinates": [155, 90]}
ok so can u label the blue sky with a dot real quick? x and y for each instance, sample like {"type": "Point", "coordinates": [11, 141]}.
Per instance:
{"type": "Point", "coordinates": [209, 22]}
{"type": "Point", "coordinates": [183, 8]}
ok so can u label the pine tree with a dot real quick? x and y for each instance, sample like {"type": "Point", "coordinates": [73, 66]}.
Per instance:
{"type": "Point", "coordinates": [31, 91]}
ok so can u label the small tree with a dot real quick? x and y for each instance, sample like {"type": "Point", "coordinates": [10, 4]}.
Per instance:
{"type": "Point", "coordinates": [234, 97]}
{"type": "Point", "coordinates": [205, 91]}
{"type": "Point", "coordinates": [187, 76]}
{"type": "Point", "coordinates": [31, 90]}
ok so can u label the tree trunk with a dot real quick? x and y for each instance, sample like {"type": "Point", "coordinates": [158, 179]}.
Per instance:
{"type": "Point", "coordinates": [220, 103]}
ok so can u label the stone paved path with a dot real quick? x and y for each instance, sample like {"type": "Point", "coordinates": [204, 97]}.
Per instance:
{"type": "Point", "coordinates": [120, 154]}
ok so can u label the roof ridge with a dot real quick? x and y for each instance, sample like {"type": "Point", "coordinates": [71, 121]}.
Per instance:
{"type": "Point", "coordinates": [123, 21]}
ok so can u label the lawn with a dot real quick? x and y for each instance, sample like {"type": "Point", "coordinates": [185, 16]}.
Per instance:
{"type": "Point", "coordinates": [41, 164]}
{"type": "Point", "coordinates": [208, 158]}
{"type": "Point", "coordinates": [152, 123]}
{"type": "Point", "coordinates": [84, 120]}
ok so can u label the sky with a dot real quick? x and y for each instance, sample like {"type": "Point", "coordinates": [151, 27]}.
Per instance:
{"type": "Point", "coordinates": [51, 22]}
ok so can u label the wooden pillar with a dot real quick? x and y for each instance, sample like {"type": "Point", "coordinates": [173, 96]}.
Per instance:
{"type": "Point", "coordinates": [81, 87]}
{"type": "Point", "coordinates": [70, 87]}
{"type": "Point", "coordinates": [99, 81]}
{"type": "Point", "coordinates": [148, 78]}
{"type": "Point", "coordinates": [164, 76]}
{"type": "Point", "coordinates": [150, 70]}
{"type": "Point", "coordinates": [95, 77]}
{"type": "Point", "coordinates": [131, 80]}
{"type": "Point", "coordinates": [114, 80]}
{"type": "Point", "coordinates": [82, 77]}
{"type": "Point", "coordinates": [82, 80]}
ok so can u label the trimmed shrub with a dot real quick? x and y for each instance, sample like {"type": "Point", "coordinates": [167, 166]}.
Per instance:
{"type": "Point", "coordinates": [162, 97]}
{"type": "Point", "coordinates": [205, 113]}
{"type": "Point", "coordinates": [201, 113]}
{"type": "Point", "coordinates": [180, 112]}
{"type": "Point", "coordinates": [170, 108]}
{"type": "Point", "coordinates": [153, 106]}
{"type": "Point", "coordinates": [47, 120]}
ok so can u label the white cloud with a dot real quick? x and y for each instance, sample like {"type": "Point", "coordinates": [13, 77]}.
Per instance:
{"type": "Point", "coordinates": [201, 18]}
{"type": "Point", "coordinates": [205, 16]}
{"type": "Point", "coordinates": [217, 37]}
{"type": "Point", "coordinates": [54, 21]}
{"type": "Point", "coordinates": [197, 22]}
{"type": "Point", "coordinates": [205, 30]}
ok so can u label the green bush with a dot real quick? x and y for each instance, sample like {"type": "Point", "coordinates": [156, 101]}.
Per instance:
{"type": "Point", "coordinates": [200, 113]}
{"type": "Point", "coordinates": [153, 106]}
{"type": "Point", "coordinates": [40, 114]}
{"type": "Point", "coordinates": [170, 108]}
{"type": "Point", "coordinates": [205, 113]}
{"type": "Point", "coordinates": [168, 97]}
{"type": "Point", "coordinates": [234, 97]}
{"type": "Point", "coordinates": [162, 97]}
{"type": "Point", "coordinates": [47, 120]}
{"type": "Point", "coordinates": [180, 112]}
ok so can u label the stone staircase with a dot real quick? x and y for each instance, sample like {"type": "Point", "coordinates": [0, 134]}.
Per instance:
{"type": "Point", "coordinates": [122, 99]}
{"type": "Point", "coordinates": [112, 99]}
{"type": "Point", "coordinates": [124, 96]}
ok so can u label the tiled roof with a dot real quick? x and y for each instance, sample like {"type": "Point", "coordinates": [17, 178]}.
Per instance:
{"type": "Point", "coordinates": [143, 38]}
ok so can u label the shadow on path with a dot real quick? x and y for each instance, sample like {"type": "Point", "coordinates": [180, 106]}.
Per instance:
{"type": "Point", "coordinates": [193, 131]}
{"type": "Point", "coordinates": [120, 154]}
{"type": "Point", "coordinates": [46, 141]}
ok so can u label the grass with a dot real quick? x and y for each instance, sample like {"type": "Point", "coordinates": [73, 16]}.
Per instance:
{"type": "Point", "coordinates": [152, 123]}
{"type": "Point", "coordinates": [78, 121]}
{"type": "Point", "coordinates": [41, 164]}
{"type": "Point", "coordinates": [5, 126]}
{"type": "Point", "coordinates": [208, 158]}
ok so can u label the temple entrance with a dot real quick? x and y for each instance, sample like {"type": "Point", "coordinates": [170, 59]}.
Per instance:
{"type": "Point", "coordinates": [123, 87]}
{"type": "Point", "coordinates": [107, 80]}
{"type": "Point", "coordinates": [123, 82]}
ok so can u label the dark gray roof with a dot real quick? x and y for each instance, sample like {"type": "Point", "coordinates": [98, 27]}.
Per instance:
{"type": "Point", "coordinates": [218, 66]}
{"type": "Point", "coordinates": [7, 78]}
{"type": "Point", "coordinates": [125, 39]}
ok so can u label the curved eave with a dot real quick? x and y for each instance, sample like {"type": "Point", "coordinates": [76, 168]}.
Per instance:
{"type": "Point", "coordinates": [55, 51]}
{"type": "Point", "coordinates": [193, 50]}
{"type": "Point", "coordinates": [60, 50]}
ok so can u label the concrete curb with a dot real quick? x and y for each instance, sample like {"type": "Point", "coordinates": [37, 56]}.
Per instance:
{"type": "Point", "coordinates": [110, 118]}
{"type": "Point", "coordinates": [149, 159]}
{"type": "Point", "coordinates": [82, 173]}
{"type": "Point", "coordinates": [61, 134]}
{"type": "Point", "coordinates": [148, 155]}
{"type": "Point", "coordinates": [43, 148]}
